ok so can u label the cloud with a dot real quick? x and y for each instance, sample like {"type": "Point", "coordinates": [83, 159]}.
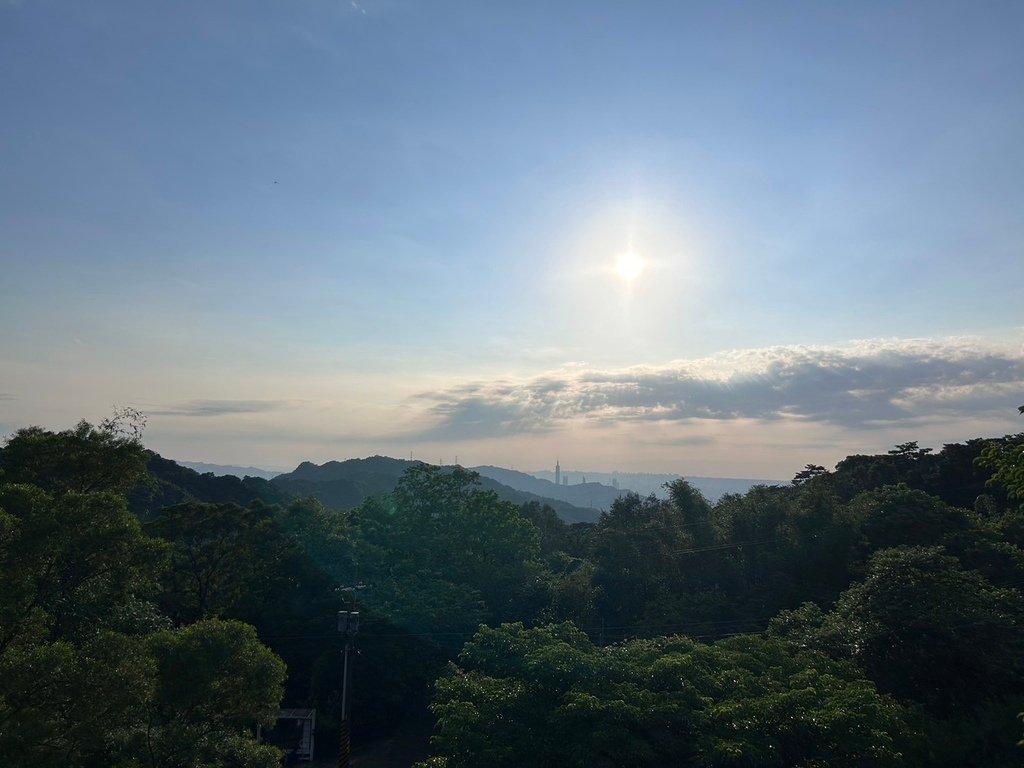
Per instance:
{"type": "Point", "coordinates": [7, 397]}
{"type": "Point", "coordinates": [205, 408]}
{"type": "Point", "coordinates": [685, 440]}
{"type": "Point", "coordinates": [864, 385]}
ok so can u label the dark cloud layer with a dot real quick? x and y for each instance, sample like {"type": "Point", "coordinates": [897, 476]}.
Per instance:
{"type": "Point", "coordinates": [205, 408]}
{"type": "Point", "coordinates": [868, 385]}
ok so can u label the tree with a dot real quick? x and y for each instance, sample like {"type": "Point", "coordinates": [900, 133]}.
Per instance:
{"type": "Point", "coordinates": [88, 665]}
{"type": "Point", "coordinates": [636, 547]}
{"type": "Point", "coordinates": [809, 472]}
{"type": "Point", "coordinates": [85, 459]}
{"type": "Point", "coordinates": [75, 571]}
{"type": "Point", "coordinates": [214, 681]}
{"type": "Point", "coordinates": [1006, 460]}
{"type": "Point", "coordinates": [925, 630]}
{"type": "Point", "coordinates": [61, 701]}
{"type": "Point", "coordinates": [694, 510]}
{"type": "Point", "coordinates": [909, 450]}
{"type": "Point", "coordinates": [554, 534]}
{"type": "Point", "coordinates": [69, 565]}
{"type": "Point", "coordinates": [896, 515]}
{"type": "Point", "coordinates": [225, 559]}
{"type": "Point", "coordinates": [439, 524]}
{"type": "Point", "coordinates": [549, 696]}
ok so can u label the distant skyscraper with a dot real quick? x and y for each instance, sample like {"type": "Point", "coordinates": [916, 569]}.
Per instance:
{"type": "Point", "coordinates": [558, 472]}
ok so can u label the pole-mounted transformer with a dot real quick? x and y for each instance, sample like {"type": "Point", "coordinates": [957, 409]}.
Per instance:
{"type": "Point", "coordinates": [348, 622]}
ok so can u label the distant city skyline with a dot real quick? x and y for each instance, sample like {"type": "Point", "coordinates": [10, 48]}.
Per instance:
{"type": "Point", "coordinates": [715, 239]}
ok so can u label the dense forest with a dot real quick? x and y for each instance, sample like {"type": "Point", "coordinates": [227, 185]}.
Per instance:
{"type": "Point", "coordinates": [871, 614]}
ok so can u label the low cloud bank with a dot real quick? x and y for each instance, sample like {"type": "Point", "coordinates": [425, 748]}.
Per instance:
{"type": "Point", "coordinates": [864, 385]}
{"type": "Point", "coordinates": [207, 408]}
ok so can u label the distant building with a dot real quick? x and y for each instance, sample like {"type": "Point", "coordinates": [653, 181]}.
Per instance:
{"type": "Point", "coordinates": [615, 483]}
{"type": "Point", "coordinates": [558, 472]}
{"type": "Point", "coordinates": [565, 480]}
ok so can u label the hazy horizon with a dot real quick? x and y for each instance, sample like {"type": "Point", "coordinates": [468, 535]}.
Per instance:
{"type": "Point", "coordinates": [723, 240]}
{"type": "Point", "coordinates": [537, 472]}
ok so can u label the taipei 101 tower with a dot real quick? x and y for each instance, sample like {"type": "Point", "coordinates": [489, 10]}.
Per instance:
{"type": "Point", "coordinates": [558, 473]}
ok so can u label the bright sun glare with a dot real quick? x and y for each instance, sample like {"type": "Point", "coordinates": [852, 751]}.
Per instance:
{"type": "Point", "coordinates": [628, 266]}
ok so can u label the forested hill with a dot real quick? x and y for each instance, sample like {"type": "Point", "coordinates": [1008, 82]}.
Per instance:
{"type": "Point", "coordinates": [869, 615]}
{"type": "Point", "coordinates": [229, 469]}
{"type": "Point", "coordinates": [343, 484]}
{"type": "Point", "coordinates": [339, 485]}
{"type": "Point", "coordinates": [346, 484]}
{"type": "Point", "coordinates": [594, 496]}
{"type": "Point", "coordinates": [166, 483]}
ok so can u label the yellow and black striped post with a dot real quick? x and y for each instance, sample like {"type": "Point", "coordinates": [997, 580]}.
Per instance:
{"type": "Point", "coordinates": [344, 746]}
{"type": "Point", "coordinates": [348, 625]}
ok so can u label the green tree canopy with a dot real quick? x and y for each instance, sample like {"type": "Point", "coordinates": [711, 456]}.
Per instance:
{"type": "Point", "coordinates": [84, 459]}
{"type": "Point", "coordinates": [438, 524]}
{"type": "Point", "coordinates": [87, 661]}
{"type": "Point", "coordinates": [549, 696]}
{"type": "Point", "coordinates": [225, 559]}
{"type": "Point", "coordinates": [1006, 460]}
{"type": "Point", "coordinates": [924, 629]}
{"type": "Point", "coordinates": [213, 682]}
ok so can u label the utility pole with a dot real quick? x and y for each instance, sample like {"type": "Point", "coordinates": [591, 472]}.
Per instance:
{"type": "Point", "coordinates": [348, 626]}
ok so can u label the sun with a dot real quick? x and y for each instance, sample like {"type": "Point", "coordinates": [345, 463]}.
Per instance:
{"type": "Point", "coordinates": [629, 266]}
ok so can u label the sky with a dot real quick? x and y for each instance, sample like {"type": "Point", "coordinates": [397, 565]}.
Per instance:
{"type": "Point", "coordinates": [722, 239]}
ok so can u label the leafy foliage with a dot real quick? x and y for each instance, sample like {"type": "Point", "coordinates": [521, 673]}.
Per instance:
{"type": "Point", "coordinates": [866, 615]}
{"type": "Point", "coordinates": [927, 630]}
{"type": "Point", "coordinates": [214, 680]}
{"type": "Point", "coordinates": [88, 664]}
{"type": "Point", "coordinates": [225, 559]}
{"type": "Point", "coordinates": [84, 459]}
{"type": "Point", "coordinates": [1006, 458]}
{"type": "Point", "coordinates": [551, 694]}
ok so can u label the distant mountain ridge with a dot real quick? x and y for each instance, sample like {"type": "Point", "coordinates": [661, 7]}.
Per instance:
{"type": "Point", "coordinates": [646, 483]}
{"type": "Point", "coordinates": [220, 470]}
{"type": "Point", "coordinates": [592, 495]}
{"type": "Point", "coordinates": [345, 484]}
{"type": "Point", "coordinates": [170, 482]}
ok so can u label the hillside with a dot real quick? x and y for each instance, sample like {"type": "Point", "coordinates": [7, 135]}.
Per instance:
{"type": "Point", "coordinates": [345, 484]}
{"type": "Point", "coordinates": [337, 484]}
{"type": "Point", "coordinates": [168, 482]}
{"type": "Point", "coordinates": [203, 467]}
{"type": "Point", "coordinates": [595, 496]}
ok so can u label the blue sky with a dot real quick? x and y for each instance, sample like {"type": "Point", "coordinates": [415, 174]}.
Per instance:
{"type": "Point", "coordinates": [313, 230]}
